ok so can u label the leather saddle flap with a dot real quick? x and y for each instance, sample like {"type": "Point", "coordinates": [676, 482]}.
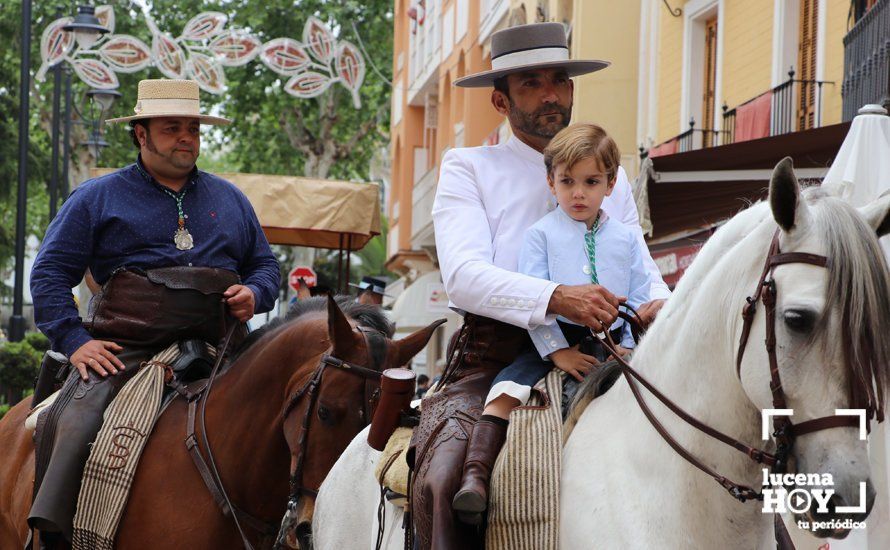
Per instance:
{"type": "Point", "coordinates": [206, 280]}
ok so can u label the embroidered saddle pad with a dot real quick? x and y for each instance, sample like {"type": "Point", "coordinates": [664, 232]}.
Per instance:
{"type": "Point", "coordinates": [523, 505]}
{"type": "Point", "coordinates": [392, 468]}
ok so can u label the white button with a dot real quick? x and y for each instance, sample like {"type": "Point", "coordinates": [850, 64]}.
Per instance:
{"type": "Point", "coordinates": [586, 269]}
{"type": "Point", "coordinates": [521, 304]}
{"type": "Point", "coordinates": [494, 301]}
{"type": "Point", "coordinates": [511, 302]}
{"type": "Point", "coordinates": [503, 301]}
{"type": "Point", "coordinates": [190, 264]}
{"type": "Point", "coordinates": [546, 336]}
{"type": "Point", "coordinates": [553, 344]}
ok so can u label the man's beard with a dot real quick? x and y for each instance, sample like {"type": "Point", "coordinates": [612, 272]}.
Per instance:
{"type": "Point", "coordinates": [529, 123]}
{"type": "Point", "coordinates": [171, 157]}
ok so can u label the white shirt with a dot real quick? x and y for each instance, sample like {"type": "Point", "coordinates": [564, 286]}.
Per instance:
{"type": "Point", "coordinates": [554, 249]}
{"type": "Point", "coordinates": [486, 199]}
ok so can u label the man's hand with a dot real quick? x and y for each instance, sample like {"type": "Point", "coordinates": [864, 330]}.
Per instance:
{"type": "Point", "coordinates": [649, 310]}
{"type": "Point", "coordinates": [241, 302]}
{"type": "Point", "coordinates": [97, 355]}
{"type": "Point", "coordinates": [573, 362]}
{"type": "Point", "coordinates": [589, 305]}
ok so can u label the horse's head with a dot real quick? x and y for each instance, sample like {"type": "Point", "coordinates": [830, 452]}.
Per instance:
{"type": "Point", "coordinates": [831, 350]}
{"type": "Point", "coordinates": [332, 399]}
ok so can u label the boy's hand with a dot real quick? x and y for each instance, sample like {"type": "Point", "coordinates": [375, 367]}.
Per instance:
{"type": "Point", "coordinates": [620, 352]}
{"type": "Point", "coordinates": [573, 362]}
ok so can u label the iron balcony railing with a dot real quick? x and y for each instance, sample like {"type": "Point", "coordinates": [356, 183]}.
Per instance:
{"type": "Point", "coordinates": [867, 61]}
{"type": "Point", "coordinates": [795, 105]}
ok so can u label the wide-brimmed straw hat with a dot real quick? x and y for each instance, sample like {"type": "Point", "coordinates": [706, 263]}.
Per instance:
{"type": "Point", "coordinates": [169, 98]}
{"type": "Point", "coordinates": [527, 47]}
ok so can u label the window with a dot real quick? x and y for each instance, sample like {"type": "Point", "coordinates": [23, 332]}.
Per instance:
{"type": "Point", "coordinates": [709, 88]}
{"type": "Point", "coordinates": [806, 62]}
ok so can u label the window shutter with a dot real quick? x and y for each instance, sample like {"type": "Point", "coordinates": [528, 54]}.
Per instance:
{"type": "Point", "coordinates": [806, 62]}
{"type": "Point", "coordinates": [710, 82]}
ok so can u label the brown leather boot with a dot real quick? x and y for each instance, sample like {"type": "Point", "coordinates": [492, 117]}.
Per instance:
{"type": "Point", "coordinates": [485, 444]}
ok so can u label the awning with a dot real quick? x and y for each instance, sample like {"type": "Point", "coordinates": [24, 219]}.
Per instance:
{"type": "Point", "coordinates": [422, 303]}
{"type": "Point", "coordinates": [308, 212]}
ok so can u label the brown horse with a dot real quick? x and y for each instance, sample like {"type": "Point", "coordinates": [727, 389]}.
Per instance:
{"type": "Point", "coordinates": [261, 425]}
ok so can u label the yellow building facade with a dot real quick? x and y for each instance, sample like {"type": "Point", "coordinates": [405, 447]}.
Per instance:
{"type": "Point", "coordinates": [710, 56]}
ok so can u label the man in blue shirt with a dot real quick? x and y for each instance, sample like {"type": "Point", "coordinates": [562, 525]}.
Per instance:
{"type": "Point", "coordinates": [145, 232]}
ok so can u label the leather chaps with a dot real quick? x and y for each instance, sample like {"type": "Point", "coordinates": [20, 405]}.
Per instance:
{"type": "Point", "coordinates": [439, 445]}
{"type": "Point", "coordinates": [144, 312]}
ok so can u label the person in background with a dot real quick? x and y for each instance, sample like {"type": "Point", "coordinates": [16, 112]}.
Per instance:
{"type": "Point", "coordinates": [423, 386]}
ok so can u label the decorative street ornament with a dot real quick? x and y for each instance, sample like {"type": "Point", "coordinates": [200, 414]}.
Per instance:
{"type": "Point", "coordinates": [105, 15]}
{"type": "Point", "coordinates": [351, 70]}
{"type": "Point", "coordinates": [55, 44]}
{"type": "Point", "coordinates": [168, 56]}
{"type": "Point", "coordinates": [126, 54]}
{"type": "Point", "coordinates": [207, 72]}
{"type": "Point", "coordinates": [96, 74]}
{"type": "Point", "coordinates": [285, 56]}
{"type": "Point", "coordinates": [204, 25]}
{"type": "Point", "coordinates": [202, 52]}
{"type": "Point", "coordinates": [318, 37]}
{"type": "Point", "coordinates": [235, 48]}
{"type": "Point", "coordinates": [308, 84]}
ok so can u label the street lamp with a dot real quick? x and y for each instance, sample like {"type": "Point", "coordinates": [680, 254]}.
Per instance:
{"type": "Point", "coordinates": [17, 320]}
{"type": "Point", "coordinates": [86, 26]}
{"type": "Point", "coordinates": [104, 99]}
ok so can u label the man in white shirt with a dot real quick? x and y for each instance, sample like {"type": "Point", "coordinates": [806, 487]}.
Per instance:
{"type": "Point", "coordinates": [487, 197]}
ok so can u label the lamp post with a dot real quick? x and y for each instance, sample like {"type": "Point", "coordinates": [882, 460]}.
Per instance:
{"type": "Point", "coordinates": [104, 99]}
{"type": "Point", "coordinates": [17, 321]}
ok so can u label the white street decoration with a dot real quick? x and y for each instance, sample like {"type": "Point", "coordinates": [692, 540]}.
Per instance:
{"type": "Point", "coordinates": [204, 25]}
{"type": "Point", "coordinates": [202, 52]}
{"type": "Point", "coordinates": [351, 70]}
{"type": "Point", "coordinates": [207, 72]}
{"type": "Point", "coordinates": [96, 74]}
{"type": "Point", "coordinates": [306, 85]}
{"type": "Point", "coordinates": [285, 56]}
{"type": "Point", "coordinates": [318, 37]}
{"type": "Point", "coordinates": [235, 48]}
{"type": "Point", "coordinates": [54, 45]}
{"type": "Point", "coordinates": [126, 54]}
{"type": "Point", "coordinates": [168, 56]}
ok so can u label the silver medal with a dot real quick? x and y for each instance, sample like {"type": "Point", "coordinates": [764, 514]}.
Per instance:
{"type": "Point", "coordinates": [183, 239]}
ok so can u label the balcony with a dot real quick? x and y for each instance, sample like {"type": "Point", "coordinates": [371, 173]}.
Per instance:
{"type": "Point", "coordinates": [422, 210]}
{"type": "Point", "coordinates": [867, 60]}
{"type": "Point", "coordinates": [424, 53]}
{"type": "Point", "coordinates": [793, 106]}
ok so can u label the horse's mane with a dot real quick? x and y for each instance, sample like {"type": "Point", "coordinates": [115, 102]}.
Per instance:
{"type": "Point", "coordinates": [368, 316]}
{"type": "Point", "coordinates": [859, 287]}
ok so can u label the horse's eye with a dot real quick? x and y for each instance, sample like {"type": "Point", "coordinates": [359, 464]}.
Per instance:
{"type": "Point", "coordinates": [323, 413]}
{"type": "Point", "coordinates": [799, 320]}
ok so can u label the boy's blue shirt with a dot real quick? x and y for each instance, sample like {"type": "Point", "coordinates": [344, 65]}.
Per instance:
{"type": "Point", "coordinates": [554, 249]}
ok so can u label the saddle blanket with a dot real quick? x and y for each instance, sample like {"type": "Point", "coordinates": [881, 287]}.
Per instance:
{"type": "Point", "coordinates": [523, 502]}
{"type": "Point", "coordinates": [114, 456]}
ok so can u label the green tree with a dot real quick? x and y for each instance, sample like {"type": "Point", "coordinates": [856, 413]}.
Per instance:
{"type": "Point", "coordinates": [19, 363]}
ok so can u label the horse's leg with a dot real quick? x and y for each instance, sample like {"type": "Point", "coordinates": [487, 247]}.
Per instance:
{"type": "Point", "coordinates": [16, 476]}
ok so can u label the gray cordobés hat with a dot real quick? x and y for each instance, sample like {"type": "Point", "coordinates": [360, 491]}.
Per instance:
{"type": "Point", "coordinates": [527, 47]}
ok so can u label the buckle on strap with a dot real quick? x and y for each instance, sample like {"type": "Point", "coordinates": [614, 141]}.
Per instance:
{"type": "Point", "coordinates": [739, 492]}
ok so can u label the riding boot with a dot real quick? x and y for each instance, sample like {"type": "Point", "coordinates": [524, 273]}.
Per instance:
{"type": "Point", "coordinates": [485, 444]}
{"type": "Point", "coordinates": [64, 445]}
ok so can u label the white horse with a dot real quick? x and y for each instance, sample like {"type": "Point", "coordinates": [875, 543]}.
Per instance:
{"type": "Point", "coordinates": [622, 486]}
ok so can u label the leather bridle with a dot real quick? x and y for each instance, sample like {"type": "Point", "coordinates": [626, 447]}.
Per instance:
{"type": "Point", "coordinates": [311, 389]}
{"type": "Point", "coordinates": [784, 431]}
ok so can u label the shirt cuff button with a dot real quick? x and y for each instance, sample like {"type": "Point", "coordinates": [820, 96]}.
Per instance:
{"type": "Point", "coordinates": [553, 344]}
{"type": "Point", "coordinates": [511, 302]}
{"type": "Point", "coordinates": [494, 301]}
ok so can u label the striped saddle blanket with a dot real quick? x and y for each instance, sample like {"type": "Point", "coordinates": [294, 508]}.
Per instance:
{"type": "Point", "coordinates": [523, 505]}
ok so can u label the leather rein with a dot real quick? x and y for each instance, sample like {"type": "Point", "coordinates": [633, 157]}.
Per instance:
{"type": "Point", "coordinates": [784, 432]}
{"type": "Point", "coordinates": [210, 474]}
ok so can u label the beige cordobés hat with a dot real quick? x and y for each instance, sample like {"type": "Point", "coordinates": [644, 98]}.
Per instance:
{"type": "Point", "coordinates": [169, 98]}
{"type": "Point", "coordinates": [527, 47]}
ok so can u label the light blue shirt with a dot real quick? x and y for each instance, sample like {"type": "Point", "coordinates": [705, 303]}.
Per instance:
{"type": "Point", "coordinates": [554, 249]}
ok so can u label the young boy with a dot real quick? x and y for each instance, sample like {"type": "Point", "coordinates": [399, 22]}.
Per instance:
{"type": "Point", "coordinates": [577, 243]}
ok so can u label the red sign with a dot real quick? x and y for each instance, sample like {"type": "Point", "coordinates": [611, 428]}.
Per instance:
{"type": "Point", "coordinates": [302, 272]}
{"type": "Point", "coordinates": [673, 262]}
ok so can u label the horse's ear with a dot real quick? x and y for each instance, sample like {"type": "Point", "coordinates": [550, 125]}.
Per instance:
{"type": "Point", "coordinates": [339, 330]}
{"type": "Point", "coordinates": [877, 214]}
{"type": "Point", "coordinates": [789, 210]}
{"type": "Point", "coordinates": [411, 345]}
{"type": "Point", "coordinates": [303, 292]}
